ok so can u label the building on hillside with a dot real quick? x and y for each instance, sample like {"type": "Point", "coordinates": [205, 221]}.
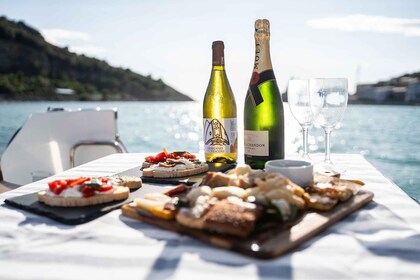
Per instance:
{"type": "Point", "coordinates": [381, 94]}
{"type": "Point", "coordinates": [413, 91]}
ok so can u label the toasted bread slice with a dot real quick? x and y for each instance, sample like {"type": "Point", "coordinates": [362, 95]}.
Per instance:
{"type": "Point", "coordinates": [226, 217]}
{"type": "Point", "coordinates": [131, 182]}
{"type": "Point", "coordinates": [170, 173]}
{"type": "Point", "coordinates": [119, 193]}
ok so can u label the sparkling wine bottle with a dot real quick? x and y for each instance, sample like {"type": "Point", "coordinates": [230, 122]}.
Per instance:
{"type": "Point", "coordinates": [219, 113]}
{"type": "Point", "coordinates": [263, 113]}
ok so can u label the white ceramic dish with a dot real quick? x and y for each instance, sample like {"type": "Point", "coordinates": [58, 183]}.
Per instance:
{"type": "Point", "coordinates": [298, 171]}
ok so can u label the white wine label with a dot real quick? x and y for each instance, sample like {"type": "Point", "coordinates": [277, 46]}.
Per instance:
{"type": "Point", "coordinates": [219, 135]}
{"type": "Point", "coordinates": [256, 143]}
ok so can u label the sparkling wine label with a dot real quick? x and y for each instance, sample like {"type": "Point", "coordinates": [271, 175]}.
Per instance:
{"type": "Point", "coordinates": [256, 142]}
{"type": "Point", "coordinates": [219, 135]}
{"type": "Point", "coordinates": [256, 80]}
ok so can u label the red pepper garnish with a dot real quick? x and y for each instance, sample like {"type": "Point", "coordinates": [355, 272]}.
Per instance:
{"type": "Point", "coordinates": [78, 181]}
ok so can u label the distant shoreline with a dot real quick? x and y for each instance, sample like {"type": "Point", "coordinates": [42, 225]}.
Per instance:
{"type": "Point", "coordinates": [353, 101]}
{"type": "Point", "coordinates": [91, 101]}
{"type": "Point", "coordinates": [359, 102]}
{"type": "Point", "coordinates": [350, 102]}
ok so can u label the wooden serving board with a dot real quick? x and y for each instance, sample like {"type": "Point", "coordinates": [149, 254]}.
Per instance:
{"type": "Point", "coordinates": [270, 243]}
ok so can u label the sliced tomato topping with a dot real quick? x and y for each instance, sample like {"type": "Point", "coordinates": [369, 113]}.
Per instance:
{"type": "Point", "coordinates": [57, 186]}
{"type": "Point", "coordinates": [188, 155]}
{"type": "Point", "coordinates": [59, 189]}
{"type": "Point", "coordinates": [174, 155]}
{"type": "Point", "coordinates": [104, 179]}
{"type": "Point", "coordinates": [52, 185]}
{"type": "Point", "coordinates": [105, 188]}
{"type": "Point", "coordinates": [87, 191]}
{"type": "Point", "coordinates": [63, 183]}
{"type": "Point", "coordinates": [162, 156]}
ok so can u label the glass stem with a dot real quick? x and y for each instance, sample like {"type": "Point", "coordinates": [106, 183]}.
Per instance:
{"type": "Point", "coordinates": [305, 141]}
{"type": "Point", "coordinates": [327, 146]}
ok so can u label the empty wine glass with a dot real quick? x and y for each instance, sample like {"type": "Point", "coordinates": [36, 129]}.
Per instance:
{"type": "Point", "coordinates": [328, 100]}
{"type": "Point", "coordinates": [298, 99]}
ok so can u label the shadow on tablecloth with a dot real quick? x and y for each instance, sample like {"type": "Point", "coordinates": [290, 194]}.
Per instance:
{"type": "Point", "coordinates": [176, 245]}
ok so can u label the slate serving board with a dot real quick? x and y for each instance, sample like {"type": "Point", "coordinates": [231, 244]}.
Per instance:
{"type": "Point", "coordinates": [71, 215]}
{"type": "Point", "coordinates": [268, 243]}
{"type": "Point", "coordinates": [80, 215]}
{"type": "Point", "coordinates": [65, 215]}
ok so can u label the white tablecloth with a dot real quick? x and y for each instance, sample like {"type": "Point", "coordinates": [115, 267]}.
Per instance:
{"type": "Point", "coordinates": [381, 240]}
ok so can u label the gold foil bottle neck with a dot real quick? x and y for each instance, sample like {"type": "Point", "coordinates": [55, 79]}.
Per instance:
{"type": "Point", "coordinates": [262, 29]}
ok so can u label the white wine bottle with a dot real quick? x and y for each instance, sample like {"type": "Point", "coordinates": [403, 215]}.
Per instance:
{"type": "Point", "coordinates": [263, 112]}
{"type": "Point", "coordinates": [219, 113]}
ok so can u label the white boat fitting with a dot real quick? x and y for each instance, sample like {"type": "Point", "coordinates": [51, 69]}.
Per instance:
{"type": "Point", "coordinates": [53, 141]}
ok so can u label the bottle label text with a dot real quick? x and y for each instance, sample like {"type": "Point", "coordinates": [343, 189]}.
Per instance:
{"type": "Point", "coordinates": [256, 143]}
{"type": "Point", "coordinates": [220, 135]}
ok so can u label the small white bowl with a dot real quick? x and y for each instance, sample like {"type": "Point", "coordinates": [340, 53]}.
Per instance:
{"type": "Point", "coordinates": [298, 171]}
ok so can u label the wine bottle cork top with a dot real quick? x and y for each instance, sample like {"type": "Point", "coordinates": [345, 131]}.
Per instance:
{"type": "Point", "coordinates": [262, 29]}
{"type": "Point", "coordinates": [218, 53]}
{"type": "Point", "coordinates": [218, 44]}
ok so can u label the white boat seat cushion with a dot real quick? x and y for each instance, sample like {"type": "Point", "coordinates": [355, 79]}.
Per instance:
{"type": "Point", "coordinates": [42, 146]}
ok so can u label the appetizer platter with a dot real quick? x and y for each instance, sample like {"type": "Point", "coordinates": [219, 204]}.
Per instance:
{"type": "Point", "coordinates": [250, 211]}
{"type": "Point", "coordinates": [253, 212]}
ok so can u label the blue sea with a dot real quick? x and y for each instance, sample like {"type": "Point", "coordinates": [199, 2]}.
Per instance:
{"type": "Point", "coordinates": [388, 136]}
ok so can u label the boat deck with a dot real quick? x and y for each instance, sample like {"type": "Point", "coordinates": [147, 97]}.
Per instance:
{"type": "Point", "coordinates": [4, 188]}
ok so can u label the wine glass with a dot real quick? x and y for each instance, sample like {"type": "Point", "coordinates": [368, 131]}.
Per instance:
{"type": "Point", "coordinates": [328, 100]}
{"type": "Point", "coordinates": [298, 99]}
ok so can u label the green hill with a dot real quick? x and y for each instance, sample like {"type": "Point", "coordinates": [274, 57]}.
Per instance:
{"type": "Point", "coordinates": [33, 69]}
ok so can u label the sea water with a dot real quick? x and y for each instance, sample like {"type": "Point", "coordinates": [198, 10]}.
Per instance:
{"type": "Point", "coordinates": [388, 136]}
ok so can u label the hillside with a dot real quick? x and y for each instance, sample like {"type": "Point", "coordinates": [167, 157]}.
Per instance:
{"type": "Point", "coordinates": [33, 69]}
{"type": "Point", "coordinates": [402, 90]}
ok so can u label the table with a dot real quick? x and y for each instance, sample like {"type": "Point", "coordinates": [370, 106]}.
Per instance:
{"type": "Point", "coordinates": [381, 240]}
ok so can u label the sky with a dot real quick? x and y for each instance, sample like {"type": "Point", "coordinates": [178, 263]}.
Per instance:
{"type": "Point", "coordinates": [364, 41]}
